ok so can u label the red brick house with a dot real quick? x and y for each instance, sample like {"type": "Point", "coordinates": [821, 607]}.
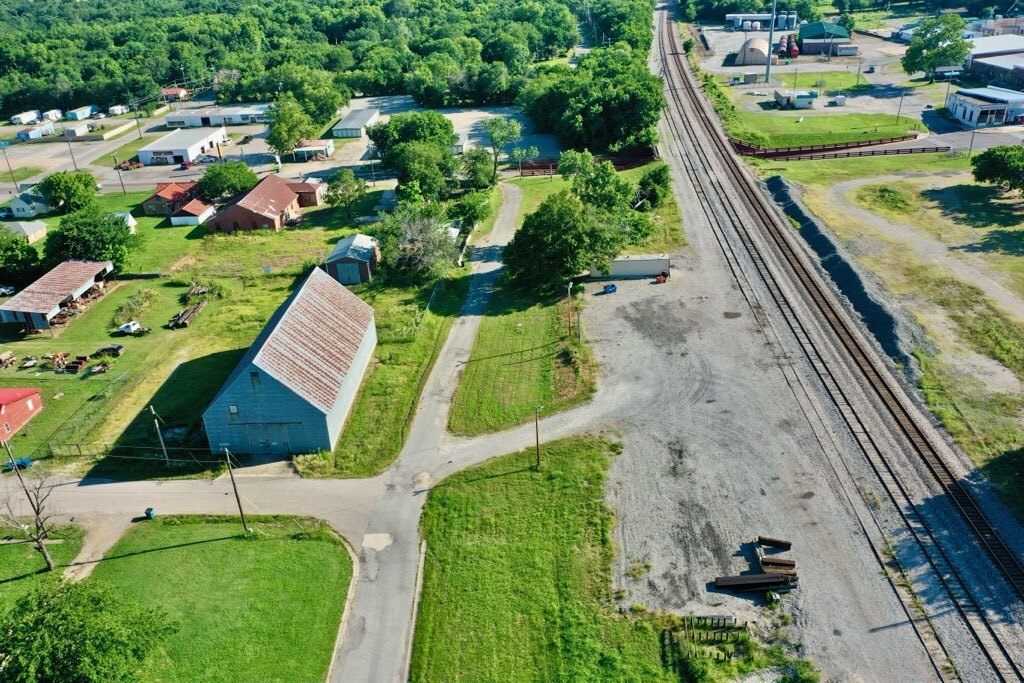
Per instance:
{"type": "Point", "coordinates": [265, 207]}
{"type": "Point", "coordinates": [17, 407]}
{"type": "Point", "coordinates": [168, 198]}
{"type": "Point", "coordinates": [311, 192]}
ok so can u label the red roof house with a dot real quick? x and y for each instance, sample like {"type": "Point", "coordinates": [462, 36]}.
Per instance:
{"type": "Point", "coordinates": [176, 94]}
{"type": "Point", "coordinates": [17, 407]}
{"type": "Point", "coordinates": [311, 192]}
{"type": "Point", "coordinates": [168, 198]}
{"type": "Point", "coordinates": [265, 207]}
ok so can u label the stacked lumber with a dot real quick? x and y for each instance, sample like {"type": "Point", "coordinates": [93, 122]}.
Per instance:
{"type": "Point", "coordinates": [186, 317]}
{"type": "Point", "coordinates": [774, 573]}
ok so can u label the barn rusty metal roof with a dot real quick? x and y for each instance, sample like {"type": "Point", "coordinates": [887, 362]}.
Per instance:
{"type": "Point", "coordinates": [269, 198]}
{"type": "Point", "coordinates": [65, 280]}
{"type": "Point", "coordinates": [309, 343]}
{"type": "Point", "coordinates": [195, 207]}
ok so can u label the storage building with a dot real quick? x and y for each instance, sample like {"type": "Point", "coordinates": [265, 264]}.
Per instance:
{"type": "Point", "coordinates": [822, 38]}
{"type": "Point", "coordinates": [354, 123]}
{"type": "Point", "coordinates": [28, 204]}
{"type": "Point", "coordinates": [636, 266]}
{"type": "Point", "coordinates": [234, 115]}
{"type": "Point", "coordinates": [168, 198]}
{"type": "Point", "coordinates": [129, 220]}
{"type": "Point", "coordinates": [799, 99]}
{"type": "Point", "coordinates": [753, 52]}
{"type": "Point", "coordinates": [984, 107]}
{"type": "Point", "coordinates": [36, 305]}
{"type": "Point", "coordinates": [174, 94]}
{"type": "Point", "coordinates": [79, 128]}
{"type": "Point", "coordinates": [353, 260]}
{"type": "Point", "coordinates": [26, 117]}
{"type": "Point", "coordinates": [31, 231]}
{"type": "Point", "coordinates": [994, 46]}
{"type": "Point", "coordinates": [1003, 70]}
{"type": "Point", "coordinates": [461, 145]}
{"type": "Point", "coordinates": [53, 115]}
{"type": "Point", "coordinates": [313, 149]}
{"type": "Point", "coordinates": [268, 206]}
{"type": "Point", "coordinates": [17, 407]}
{"type": "Point", "coordinates": [310, 191]}
{"type": "Point", "coordinates": [293, 389]}
{"type": "Point", "coordinates": [81, 113]}
{"type": "Point", "coordinates": [182, 145]}
{"type": "Point", "coordinates": [193, 212]}
{"type": "Point", "coordinates": [36, 132]}
{"type": "Point", "coordinates": [118, 109]}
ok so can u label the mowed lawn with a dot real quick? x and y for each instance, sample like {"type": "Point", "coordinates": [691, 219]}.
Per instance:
{"type": "Point", "coordinates": [259, 609]}
{"type": "Point", "coordinates": [791, 128]}
{"type": "Point", "coordinates": [126, 152]}
{"type": "Point", "coordinates": [22, 567]}
{"type": "Point", "coordinates": [517, 582]}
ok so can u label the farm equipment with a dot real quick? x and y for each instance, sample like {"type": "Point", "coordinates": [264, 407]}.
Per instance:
{"type": "Point", "coordinates": [185, 318]}
{"type": "Point", "coordinates": [128, 166]}
{"type": "Point", "coordinates": [99, 368]}
{"type": "Point", "coordinates": [21, 463]}
{"type": "Point", "coordinates": [75, 366]}
{"type": "Point", "coordinates": [110, 350]}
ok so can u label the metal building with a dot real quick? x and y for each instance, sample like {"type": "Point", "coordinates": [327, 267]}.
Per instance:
{"type": "Point", "coordinates": [353, 260]}
{"type": "Point", "coordinates": [354, 124]}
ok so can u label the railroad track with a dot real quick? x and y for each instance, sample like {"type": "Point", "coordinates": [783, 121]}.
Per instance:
{"type": "Point", "coordinates": [691, 107]}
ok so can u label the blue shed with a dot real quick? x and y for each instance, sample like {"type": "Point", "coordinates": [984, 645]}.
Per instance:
{"type": "Point", "coordinates": [81, 113]}
{"type": "Point", "coordinates": [294, 387]}
{"type": "Point", "coordinates": [36, 132]}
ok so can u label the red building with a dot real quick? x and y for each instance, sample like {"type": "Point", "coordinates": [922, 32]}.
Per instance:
{"type": "Point", "coordinates": [169, 197]}
{"type": "Point", "coordinates": [268, 206]}
{"type": "Point", "coordinates": [17, 407]}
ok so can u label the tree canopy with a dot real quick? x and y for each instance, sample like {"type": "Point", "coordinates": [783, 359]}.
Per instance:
{"type": "Point", "coordinates": [78, 632]}
{"type": "Point", "coordinates": [345, 189]}
{"type": "Point", "coordinates": [938, 41]}
{"type": "Point", "coordinates": [414, 243]}
{"type": "Point", "coordinates": [287, 124]}
{"type": "Point", "coordinates": [1002, 165]}
{"type": "Point", "coordinates": [19, 261]}
{"type": "Point", "coordinates": [92, 234]}
{"type": "Point", "coordinates": [226, 179]}
{"type": "Point", "coordinates": [67, 190]}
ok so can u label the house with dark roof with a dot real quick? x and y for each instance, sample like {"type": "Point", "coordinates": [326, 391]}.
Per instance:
{"type": "Point", "coordinates": [293, 389]}
{"type": "Point", "coordinates": [17, 407]}
{"type": "Point", "coordinates": [268, 206]}
{"type": "Point", "coordinates": [29, 204]}
{"type": "Point", "coordinates": [168, 198]}
{"type": "Point", "coordinates": [36, 305]}
{"type": "Point", "coordinates": [353, 259]}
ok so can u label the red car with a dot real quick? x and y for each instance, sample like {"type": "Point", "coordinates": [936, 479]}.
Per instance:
{"type": "Point", "coordinates": [185, 165]}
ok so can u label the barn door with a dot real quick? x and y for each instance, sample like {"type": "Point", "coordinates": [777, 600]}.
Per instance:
{"type": "Point", "coordinates": [278, 435]}
{"type": "Point", "coordinates": [259, 442]}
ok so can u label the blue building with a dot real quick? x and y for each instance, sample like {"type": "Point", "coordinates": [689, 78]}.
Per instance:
{"type": "Point", "coordinates": [36, 132]}
{"type": "Point", "coordinates": [294, 387]}
{"type": "Point", "coordinates": [81, 113]}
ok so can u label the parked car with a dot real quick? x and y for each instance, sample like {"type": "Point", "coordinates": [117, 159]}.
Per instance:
{"type": "Point", "coordinates": [185, 165]}
{"type": "Point", "coordinates": [110, 350]}
{"type": "Point", "coordinates": [870, 69]}
{"type": "Point", "coordinates": [6, 212]}
{"type": "Point", "coordinates": [206, 159]}
{"type": "Point", "coordinates": [6, 290]}
{"type": "Point", "coordinates": [99, 115]}
{"type": "Point", "coordinates": [245, 140]}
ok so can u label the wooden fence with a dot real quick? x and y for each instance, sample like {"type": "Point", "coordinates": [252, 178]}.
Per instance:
{"type": "Point", "coordinates": [868, 153]}
{"type": "Point", "coordinates": [621, 162]}
{"type": "Point", "coordinates": [747, 149]}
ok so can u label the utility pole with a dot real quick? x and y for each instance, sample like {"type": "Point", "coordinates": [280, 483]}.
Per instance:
{"type": "Point", "coordinates": [536, 430]}
{"type": "Point", "coordinates": [771, 39]}
{"type": "Point", "coordinates": [568, 300]}
{"type": "Point", "coordinates": [17, 470]}
{"type": "Point", "coordinates": [971, 148]}
{"type": "Point", "coordinates": [159, 434]}
{"type": "Point", "coordinates": [119, 176]}
{"type": "Point", "coordinates": [899, 109]}
{"type": "Point", "coordinates": [238, 499]}
{"type": "Point", "coordinates": [138, 126]}
{"type": "Point", "coordinates": [70, 151]}
{"type": "Point", "coordinates": [3, 147]}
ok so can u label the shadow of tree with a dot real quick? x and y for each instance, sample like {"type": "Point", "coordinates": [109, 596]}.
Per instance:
{"type": "Point", "coordinates": [978, 206]}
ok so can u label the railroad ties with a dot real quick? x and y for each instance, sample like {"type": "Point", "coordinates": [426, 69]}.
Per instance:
{"type": "Point", "coordinates": [774, 573]}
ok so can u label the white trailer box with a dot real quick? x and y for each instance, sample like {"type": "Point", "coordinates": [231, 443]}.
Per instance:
{"type": "Point", "coordinates": [636, 266]}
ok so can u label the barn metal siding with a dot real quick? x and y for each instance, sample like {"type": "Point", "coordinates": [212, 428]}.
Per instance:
{"type": "Point", "coordinates": [267, 402]}
{"type": "Point", "coordinates": [350, 387]}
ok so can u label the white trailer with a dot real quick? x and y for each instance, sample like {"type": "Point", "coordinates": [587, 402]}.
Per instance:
{"type": "Point", "coordinates": [26, 117]}
{"type": "Point", "coordinates": [635, 266]}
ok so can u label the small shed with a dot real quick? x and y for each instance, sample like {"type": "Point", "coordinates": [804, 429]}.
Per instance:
{"type": "Point", "coordinates": [311, 191]}
{"type": "Point", "coordinates": [354, 123]}
{"type": "Point", "coordinates": [194, 212]}
{"type": "Point", "coordinates": [174, 94]}
{"type": "Point", "coordinates": [32, 231]}
{"type": "Point", "coordinates": [17, 407]}
{"type": "Point", "coordinates": [81, 113]}
{"type": "Point", "coordinates": [129, 220]}
{"type": "Point", "coordinates": [753, 52]}
{"type": "Point", "coordinates": [53, 115]}
{"type": "Point", "coordinates": [118, 109]}
{"type": "Point", "coordinates": [36, 132]}
{"type": "Point", "coordinates": [461, 144]}
{"type": "Point", "coordinates": [308, 150]}
{"type": "Point", "coordinates": [74, 130]}
{"type": "Point", "coordinates": [788, 99]}
{"type": "Point", "coordinates": [353, 260]}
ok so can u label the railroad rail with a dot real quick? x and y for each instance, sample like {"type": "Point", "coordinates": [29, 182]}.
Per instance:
{"type": "Point", "coordinates": [682, 88]}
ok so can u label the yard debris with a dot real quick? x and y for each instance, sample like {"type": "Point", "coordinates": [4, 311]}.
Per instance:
{"type": "Point", "coordinates": [110, 350]}
{"type": "Point", "coordinates": [186, 317]}
{"type": "Point", "coordinates": [75, 366]}
{"type": "Point", "coordinates": [99, 368]}
{"type": "Point", "coordinates": [7, 359]}
{"type": "Point", "coordinates": [773, 573]}
{"type": "Point", "coordinates": [30, 362]}
{"type": "Point", "coordinates": [198, 289]}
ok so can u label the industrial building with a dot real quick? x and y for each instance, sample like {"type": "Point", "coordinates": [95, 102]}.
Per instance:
{"type": "Point", "coordinates": [353, 260]}
{"type": "Point", "coordinates": [293, 389]}
{"type": "Point", "coordinates": [754, 52]}
{"type": "Point", "coordinates": [984, 107]}
{"type": "Point", "coordinates": [31, 231]}
{"type": "Point", "coordinates": [235, 115]}
{"type": "Point", "coordinates": [994, 46]}
{"type": "Point", "coordinates": [822, 38]}
{"type": "Point", "coordinates": [37, 305]}
{"type": "Point", "coordinates": [1002, 70]}
{"type": "Point", "coordinates": [81, 113]}
{"type": "Point", "coordinates": [17, 407]}
{"type": "Point", "coordinates": [354, 123]}
{"type": "Point", "coordinates": [183, 145]}
{"type": "Point", "coordinates": [36, 132]}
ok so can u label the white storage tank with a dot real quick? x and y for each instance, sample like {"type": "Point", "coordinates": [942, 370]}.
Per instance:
{"type": "Point", "coordinates": [755, 26]}
{"type": "Point", "coordinates": [746, 25]}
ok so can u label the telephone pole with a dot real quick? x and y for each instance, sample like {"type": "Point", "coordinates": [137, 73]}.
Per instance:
{"type": "Point", "coordinates": [536, 430]}
{"type": "Point", "coordinates": [568, 300]}
{"type": "Point", "coordinates": [159, 434]}
{"type": "Point", "coordinates": [238, 499]}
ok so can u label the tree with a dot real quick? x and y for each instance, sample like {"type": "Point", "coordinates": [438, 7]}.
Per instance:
{"type": "Point", "coordinates": [472, 208]}
{"type": "Point", "coordinates": [558, 241]}
{"type": "Point", "coordinates": [91, 234]}
{"type": "Point", "coordinates": [226, 179]}
{"type": "Point", "coordinates": [287, 124]}
{"type": "Point", "coordinates": [19, 261]}
{"type": "Point", "coordinates": [430, 127]}
{"type": "Point", "coordinates": [344, 189]}
{"type": "Point", "coordinates": [432, 167]}
{"type": "Point", "coordinates": [847, 21]}
{"type": "Point", "coordinates": [38, 491]}
{"type": "Point", "coordinates": [937, 42]}
{"type": "Point", "coordinates": [1002, 165]}
{"type": "Point", "coordinates": [80, 632]}
{"type": "Point", "coordinates": [476, 167]}
{"type": "Point", "coordinates": [653, 188]}
{"type": "Point", "coordinates": [523, 155]}
{"type": "Point", "coordinates": [572, 163]}
{"type": "Point", "coordinates": [68, 191]}
{"type": "Point", "coordinates": [414, 243]}
{"type": "Point", "coordinates": [603, 188]}
{"type": "Point", "coordinates": [502, 131]}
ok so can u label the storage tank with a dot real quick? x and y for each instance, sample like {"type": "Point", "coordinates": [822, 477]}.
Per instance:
{"type": "Point", "coordinates": [780, 21]}
{"type": "Point", "coordinates": [840, 100]}
{"type": "Point", "coordinates": [756, 26]}
{"type": "Point", "coordinates": [746, 25]}
{"type": "Point", "coordinates": [794, 51]}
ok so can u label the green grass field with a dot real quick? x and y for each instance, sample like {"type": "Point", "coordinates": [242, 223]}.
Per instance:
{"type": "Point", "coordinates": [788, 129]}
{"type": "Point", "coordinates": [517, 581]}
{"type": "Point", "coordinates": [22, 568]}
{"type": "Point", "coordinates": [126, 152]}
{"type": "Point", "coordinates": [21, 173]}
{"type": "Point", "coordinates": [259, 609]}
{"type": "Point", "coordinates": [825, 172]}
{"type": "Point", "coordinates": [522, 358]}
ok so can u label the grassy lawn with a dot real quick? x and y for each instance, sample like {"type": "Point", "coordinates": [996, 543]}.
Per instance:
{"type": "Point", "coordinates": [487, 224]}
{"type": "Point", "coordinates": [22, 568]}
{"type": "Point", "coordinates": [517, 581]}
{"type": "Point", "coordinates": [523, 357]}
{"type": "Point", "coordinates": [21, 173]}
{"type": "Point", "coordinates": [259, 609]}
{"type": "Point", "coordinates": [789, 129]}
{"type": "Point", "coordinates": [126, 152]}
{"type": "Point", "coordinates": [825, 172]}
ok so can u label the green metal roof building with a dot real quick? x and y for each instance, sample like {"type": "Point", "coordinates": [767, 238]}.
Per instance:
{"type": "Point", "coordinates": [822, 37]}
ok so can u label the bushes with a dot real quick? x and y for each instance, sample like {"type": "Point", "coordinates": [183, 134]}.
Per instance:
{"type": "Point", "coordinates": [133, 307]}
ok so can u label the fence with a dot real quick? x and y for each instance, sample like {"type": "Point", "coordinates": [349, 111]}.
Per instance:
{"type": "Point", "coordinates": [868, 153]}
{"type": "Point", "coordinates": [621, 162]}
{"type": "Point", "coordinates": [750, 150]}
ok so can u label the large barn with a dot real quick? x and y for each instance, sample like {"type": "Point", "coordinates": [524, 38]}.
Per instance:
{"type": "Point", "coordinates": [294, 387]}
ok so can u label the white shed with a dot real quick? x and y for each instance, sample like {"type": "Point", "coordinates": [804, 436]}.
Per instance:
{"type": "Point", "coordinates": [118, 109]}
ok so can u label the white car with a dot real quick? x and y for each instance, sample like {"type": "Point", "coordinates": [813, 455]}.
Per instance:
{"type": "Point", "coordinates": [207, 159]}
{"type": "Point", "coordinates": [6, 290]}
